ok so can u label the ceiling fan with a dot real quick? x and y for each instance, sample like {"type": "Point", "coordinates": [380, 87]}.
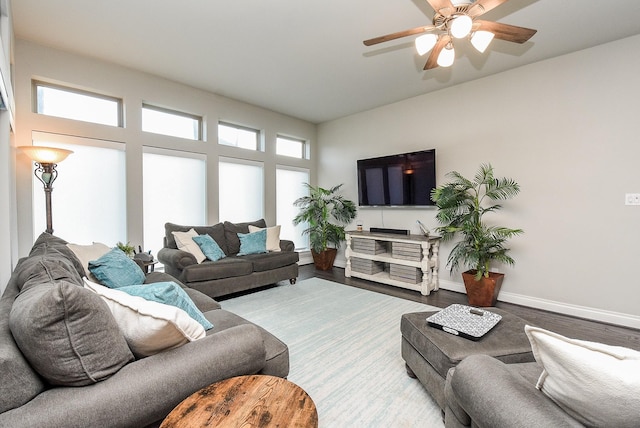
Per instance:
{"type": "Point", "coordinates": [457, 19]}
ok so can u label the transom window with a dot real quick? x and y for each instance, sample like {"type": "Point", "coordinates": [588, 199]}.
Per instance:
{"type": "Point", "coordinates": [291, 147]}
{"type": "Point", "coordinates": [68, 103]}
{"type": "Point", "coordinates": [238, 136]}
{"type": "Point", "coordinates": [171, 122]}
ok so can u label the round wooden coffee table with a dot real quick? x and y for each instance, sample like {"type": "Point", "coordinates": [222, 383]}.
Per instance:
{"type": "Point", "coordinates": [246, 401]}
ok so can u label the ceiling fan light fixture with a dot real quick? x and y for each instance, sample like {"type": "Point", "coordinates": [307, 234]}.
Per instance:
{"type": "Point", "coordinates": [446, 57]}
{"type": "Point", "coordinates": [481, 39]}
{"type": "Point", "coordinates": [425, 43]}
{"type": "Point", "coordinates": [461, 26]}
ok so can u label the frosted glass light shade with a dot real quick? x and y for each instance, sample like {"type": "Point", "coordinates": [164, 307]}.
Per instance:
{"type": "Point", "coordinates": [446, 57]}
{"type": "Point", "coordinates": [43, 154]}
{"type": "Point", "coordinates": [425, 43]}
{"type": "Point", "coordinates": [461, 26]}
{"type": "Point", "coordinates": [481, 39]}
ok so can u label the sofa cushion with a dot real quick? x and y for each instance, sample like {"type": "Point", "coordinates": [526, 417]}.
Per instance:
{"type": "Point", "coordinates": [43, 269]}
{"type": "Point", "coordinates": [597, 384]}
{"type": "Point", "coordinates": [231, 231]}
{"type": "Point", "coordinates": [209, 247]}
{"type": "Point", "coordinates": [168, 293]}
{"type": "Point", "coordinates": [216, 232]}
{"type": "Point", "coordinates": [185, 242]}
{"type": "Point", "coordinates": [269, 261]}
{"type": "Point", "coordinates": [253, 242]}
{"type": "Point", "coordinates": [148, 327]}
{"type": "Point", "coordinates": [229, 267]}
{"type": "Point", "coordinates": [20, 382]}
{"type": "Point", "coordinates": [50, 245]}
{"type": "Point", "coordinates": [273, 237]}
{"type": "Point", "coordinates": [68, 334]}
{"type": "Point", "coordinates": [276, 351]}
{"type": "Point", "coordinates": [115, 269]}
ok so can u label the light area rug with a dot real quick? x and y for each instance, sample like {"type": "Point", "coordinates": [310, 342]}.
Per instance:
{"type": "Point", "coordinates": [344, 346]}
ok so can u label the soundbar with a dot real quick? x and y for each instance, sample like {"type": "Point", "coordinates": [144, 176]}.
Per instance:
{"type": "Point", "coordinates": [385, 230]}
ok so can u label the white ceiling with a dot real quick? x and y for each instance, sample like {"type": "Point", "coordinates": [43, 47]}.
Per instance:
{"type": "Point", "coordinates": [305, 58]}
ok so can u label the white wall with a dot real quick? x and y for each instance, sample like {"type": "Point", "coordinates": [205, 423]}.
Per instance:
{"type": "Point", "coordinates": [567, 130]}
{"type": "Point", "coordinates": [41, 63]}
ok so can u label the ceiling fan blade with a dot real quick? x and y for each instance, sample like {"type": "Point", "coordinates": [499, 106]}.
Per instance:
{"type": "Point", "coordinates": [484, 6]}
{"type": "Point", "coordinates": [432, 61]}
{"type": "Point", "coordinates": [507, 32]}
{"type": "Point", "coordinates": [437, 5]}
{"type": "Point", "coordinates": [398, 35]}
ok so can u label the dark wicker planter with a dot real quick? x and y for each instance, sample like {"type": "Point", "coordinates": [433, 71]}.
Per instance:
{"type": "Point", "coordinates": [483, 292]}
{"type": "Point", "coordinates": [324, 260]}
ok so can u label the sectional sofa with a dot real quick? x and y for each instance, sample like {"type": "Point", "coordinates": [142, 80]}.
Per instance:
{"type": "Point", "coordinates": [64, 361]}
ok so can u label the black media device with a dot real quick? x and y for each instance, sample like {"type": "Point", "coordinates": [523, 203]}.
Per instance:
{"type": "Point", "coordinates": [400, 180]}
{"type": "Point", "coordinates": [385, 230]}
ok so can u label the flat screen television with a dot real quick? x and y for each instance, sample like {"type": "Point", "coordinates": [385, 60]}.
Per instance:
{"type": "Point", "coordinates": [402, 180]}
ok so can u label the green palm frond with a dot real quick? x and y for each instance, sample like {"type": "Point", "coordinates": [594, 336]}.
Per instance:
{"type": "Point", "coordinates": [326, 214]}
{"type": "Point", "coordinates": [461, 204]}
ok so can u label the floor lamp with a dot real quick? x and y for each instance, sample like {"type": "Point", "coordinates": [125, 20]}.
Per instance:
{"type": "Point", "coordinates": [46, 160]}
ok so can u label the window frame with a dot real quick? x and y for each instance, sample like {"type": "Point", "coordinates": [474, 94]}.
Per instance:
{"type": "Point", "coordinates": [304, 146]}
{"type": "Point", "coordinates": [35, 84]}
{"type": "Point", "coordinates": [198, 119]}
{"type": "Point", "coordinates": [259, 143]}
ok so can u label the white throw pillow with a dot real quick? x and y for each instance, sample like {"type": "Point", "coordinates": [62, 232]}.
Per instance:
{"type": "Point", "coordinates": [273, 236]}
{"type": "Point", "coordinates": [597, 384]}
{"type": "Point", "coordinates": [148, 327]}
{"type": "Point", "coordinates": [185, 243]}
{"type": "Point", "coordinates": [87, 253]}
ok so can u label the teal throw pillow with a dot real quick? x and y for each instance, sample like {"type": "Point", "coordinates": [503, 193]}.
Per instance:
{"type": "Point", "coordinates": [253, 243]}
{"type": "Point", "coordinates": [115, 269]}
{"type": "Point", "coordinates": [209, 247]}
{"type": "Point", "coordinates": [168, 293]}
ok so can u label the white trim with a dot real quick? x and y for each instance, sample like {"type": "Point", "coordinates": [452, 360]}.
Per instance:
{"type": "Point", "coordinates": [595, 314]}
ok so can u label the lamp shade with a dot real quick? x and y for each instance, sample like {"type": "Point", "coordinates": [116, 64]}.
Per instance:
{"type": "Point", "coordinates": [425, 43]}
{"type": "Point", "coordinates": [461, 26]}
{"type": "Point", "coordinates": [446, 57]}
{"type": "Point", "coordinates": [44, 155]}
{"type": "Point", "coordinates": [481, 39]}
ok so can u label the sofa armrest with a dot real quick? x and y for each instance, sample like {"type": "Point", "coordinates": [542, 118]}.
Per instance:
{"type": "Point", "coordinates": [176, 259]}
{"type": "Point", "coordinates": [286, 245]}
{"type": "Point", "coordinates": [145, 391]}
{"type": "Point", "coordinates": [488, 392]}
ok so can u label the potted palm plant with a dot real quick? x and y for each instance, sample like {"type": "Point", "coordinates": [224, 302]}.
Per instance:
{"type": "Point", "coordinates": [326, 213]}
{"type": "Point", "coordinates": [462, 204]}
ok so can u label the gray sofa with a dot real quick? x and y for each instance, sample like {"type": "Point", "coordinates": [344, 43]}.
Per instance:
{"type": "Point", "coordinates": [484, 392]}
{"type": "Point", "coordinates": [232, 273]}
{"type": "Point", "coordinates": [111, 388]}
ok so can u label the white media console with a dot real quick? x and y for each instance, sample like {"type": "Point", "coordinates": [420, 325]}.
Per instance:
{"type": "Point", "coordinates": [407, 261]}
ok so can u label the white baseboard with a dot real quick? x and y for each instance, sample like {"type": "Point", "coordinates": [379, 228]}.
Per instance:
{"type": "Point", "coordinates": [585, 312]}
{"type": "Point", "coordinates": [601, 315]}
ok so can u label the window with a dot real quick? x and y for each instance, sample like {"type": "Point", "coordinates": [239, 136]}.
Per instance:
{"type": "Point", "coordinates": [289, 187]}
{"type": "Point", "coordinates": [176, 176]}
{"type": "Point", "coordinates": [75, 104]}
{"type": "Point", "coordinates": [241, 190]}
{"type": "Point", "coordinates": [290, 147]}
{"type": "Point", "coordinates": [173, 123]}
{"type": "Point", "coordinates": [238, 136]}
{"type": "Point", "coordinates": [89, 195]}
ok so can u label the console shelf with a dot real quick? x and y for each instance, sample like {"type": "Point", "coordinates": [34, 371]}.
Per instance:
{"type": "Point", "coordinates": [406, 261]}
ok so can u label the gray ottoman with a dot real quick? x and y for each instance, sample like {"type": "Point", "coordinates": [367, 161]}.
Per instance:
{"type": "Point", "coordinates": [429, 353]}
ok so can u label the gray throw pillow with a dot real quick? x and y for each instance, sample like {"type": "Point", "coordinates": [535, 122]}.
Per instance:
{"type": "Point", "coordinates": [68, 334]}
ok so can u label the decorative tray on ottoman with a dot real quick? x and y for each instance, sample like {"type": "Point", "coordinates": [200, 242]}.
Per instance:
{"type": "Point", "coordinates": [465, 321]}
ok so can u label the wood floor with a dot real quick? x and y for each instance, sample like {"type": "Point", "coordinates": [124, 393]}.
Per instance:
{"type": "Point", "coordinates": [569, 326]}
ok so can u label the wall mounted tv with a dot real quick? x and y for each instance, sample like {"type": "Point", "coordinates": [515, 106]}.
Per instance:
{"type": "Point", "coordinates": [400, 180]}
